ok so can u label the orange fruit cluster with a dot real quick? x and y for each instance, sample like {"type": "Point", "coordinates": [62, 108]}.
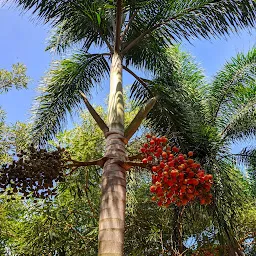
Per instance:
{"type": "Point", "coordinates": [176, 177]}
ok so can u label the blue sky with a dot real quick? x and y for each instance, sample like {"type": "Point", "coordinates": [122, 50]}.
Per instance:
{"type": "Point", "coordinates": [22, 39]}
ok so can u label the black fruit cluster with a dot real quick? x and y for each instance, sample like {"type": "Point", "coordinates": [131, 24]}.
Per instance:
{"type": "Point", "coordinates": [33, 173]}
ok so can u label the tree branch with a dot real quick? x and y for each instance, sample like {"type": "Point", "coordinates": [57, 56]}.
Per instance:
{"type": "Point", "coordinates": [118, 24]}
{"type": "Point", "coordinates": [128, 164]}
{"type": "Point", "coordinates": [76, 164]}
{"type": "Point", "coordinates": [135, 157]}
{"type": "Point", "coordinates": [95, 115]}
{"type": "Point", "coordinates": [136, 122]}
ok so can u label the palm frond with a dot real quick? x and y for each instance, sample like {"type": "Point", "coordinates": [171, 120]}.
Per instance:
{"type": "Point", "coordinates": [230, 193]}
{"type": "Point", "coordinates": [246, 156]}
{"type": "Point", "coordinates": [242, 125]}
{"type": "Point", "coordinates": [177, 20]}
{"type": "Point", "coordinates": [229, 85]}
{"type": "Point", "coordinates": [61, 91]}
{"type": "Point", "coordinates": [86, 22]}
{"type": "Point", "coordinates": [179, 111]}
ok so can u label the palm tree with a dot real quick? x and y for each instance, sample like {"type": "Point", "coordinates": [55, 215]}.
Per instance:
{"type": "Point", "coordinates": [207, 118]}
{"type": "Point", "coordinates": [135, 33]}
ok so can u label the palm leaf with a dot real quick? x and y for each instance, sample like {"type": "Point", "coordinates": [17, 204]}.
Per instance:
{"type": "Point", "coordinates": [177, 20]}
{"type": "Point", "coordinates": [242, 125]}
{"type": "Point", "coordinates": [230, 84]}
{"type": "Point", "coordinates": [61, 91]}
{"type": "Point", "coordinates": [246, 156]}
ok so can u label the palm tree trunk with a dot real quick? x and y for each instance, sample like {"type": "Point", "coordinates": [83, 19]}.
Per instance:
{"type": "Point", "coordinates": [113, 200]}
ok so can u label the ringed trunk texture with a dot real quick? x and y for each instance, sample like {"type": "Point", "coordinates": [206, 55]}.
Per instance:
{"type": "Point", "coordinates": [113, 198]}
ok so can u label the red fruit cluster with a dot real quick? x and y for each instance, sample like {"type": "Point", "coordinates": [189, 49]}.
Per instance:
{"type": "Point", "coordinates": [176, 177]}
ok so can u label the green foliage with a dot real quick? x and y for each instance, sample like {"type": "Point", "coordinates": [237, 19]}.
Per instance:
{"type": "Point", "coordinates": [61, 91]}
{"type": "Point", "coordinates": [17, 77]}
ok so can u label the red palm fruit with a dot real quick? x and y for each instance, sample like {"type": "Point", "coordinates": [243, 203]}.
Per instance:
{"type": "Point", "coordinates": [168, 148]}
{"type": "Point", "coordinates": [157, 140]}
{"type": "Point", "coordinates": [190, 191]}
{"type": "Point", "coordinates": [171, 156]}
{"type": "Point", "coordinates": [181, 167]}
{"type": "Point", "coordinates": [188, 170]}
{"type": "Point", "coordinates": [164, 140]}
{"type": "Point", "coordinates": [181, 175]}
{"type": "Point", "coordinates": [160, 150]}
{"type": "Point", "coordinates": [178, 203]}
{"type": "Point", "coordinates": [175, 149]}
{"type": "Point", "coordinates": [168, 152]}
{"type": "Point", "coordinates": [152, 142]}
{"type": "Point", "coordinates": [165, 180]}
{"type": "Point", "coordinates": [165, 173]}
{"type": "Point", "coordinates": [153, 137]}
{"type": "Point", "coordinates": [183, 188]}
{"type": "Point", "coordinates": [153, 198]}
{"type": "Point", "coordinates": [196, 193]}
{"type": "Point", "coordinates": [181, 157]}
{"type": "Point", "coordinates": [157, 155]}
{"type": "Point", "coordinates": [144, 160]}
{"type": "Point", "coordinates": [145, 145]}
{"type": "Point", "coordinates": [191, 174]}
{"type": "Point", "coordinates": [207, 187]}
{"type": "Point", "coordinates": [148, 136]}
{"type": "Point", "coordinates": [143, 150]}
{"type": "Point", "coordinates": [152, 149]}
{"type": "Point", "coordinates": [185, 181]}
{"type": "Point", "coordinates": [154, 177]}
{"type": "Point", "coordinates": [200, 174]}
{"type": "Point", "coordinates": [150, 158]}
{"type": "Point", "coordinates": [202, 180]}
{"type": "Point", "coordinates": [171, 163]}
{"type": "Point", "coordinates": [154, 169]}
{"type": "Point", "coordinates": [158, 184]}
{"type": "Point", "coordinates": [184, 201]}
{"type": "Point", "coordinates": [190, 196]}
{"type": "Point", "coordinates": [174, 173]}
{"type": "Point", "coordinates": [160, 203]}
{"type": "Point", "coordinates": [168, 202]}
{"type": "Point", "coordinates": [190, 153]}
{"type": "Point", "coordinates": [169, 183]}
{"type": "Point", "coordinates": [159, 194]}
{"type": "Point", "coordinates": [175, 187]}
{"type": "Point", "coordinates": [194, 165]}
{"type": "Point", "coordinates": [208, 177]}
{"type": "Point", "coordinates": [195, 182]}
{"type": "Point", "coordinates": [152, 189]}
{"type": "Point", "coordinates": [190, 181]}
{"type": "Point", "coordinates": [164, 154]}
{"type": "Point", "coordinates": [162, 164]}
{"type": "Point", "coordinates": [190, 161]}
{"type": "Point", "coordinates": [202, 201]}
{"type": "Point", "coordinates": [169, 194]}
{"type": "Point", "coordinates": [166, 168]}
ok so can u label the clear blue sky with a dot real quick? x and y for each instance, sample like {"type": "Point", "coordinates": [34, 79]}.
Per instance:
{"type": "Point", "coordinates": [24, 40]}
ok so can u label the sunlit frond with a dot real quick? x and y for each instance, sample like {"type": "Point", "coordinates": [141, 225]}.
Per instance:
{"type": "Point", "coordinates": [61, 92]}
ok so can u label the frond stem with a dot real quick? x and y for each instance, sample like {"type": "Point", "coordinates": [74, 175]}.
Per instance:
{"type": "Point", "coordinates": [136, 77]}
{"type": "Point", "coordinates": [118, 24]}
{"type": "Point", "coordinates": [95, 115]}
{"type": "Point", "coordinates": [141, 115]}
